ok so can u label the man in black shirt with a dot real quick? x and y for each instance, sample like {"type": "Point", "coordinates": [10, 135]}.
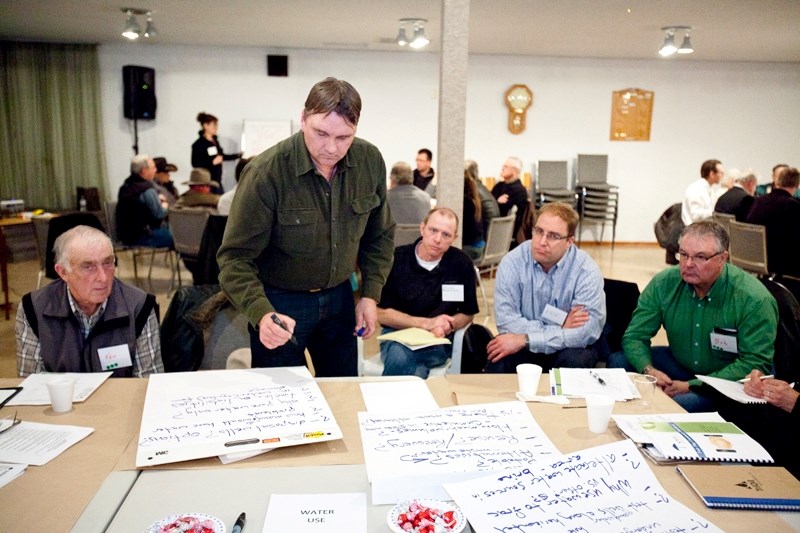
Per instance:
{"type": "Point", "coordinates": [510, 192]}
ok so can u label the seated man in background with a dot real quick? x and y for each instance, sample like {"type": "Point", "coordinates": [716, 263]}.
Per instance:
{"type": "Point", "coordinates": [511, 192]}
{"type": "Point", "coordinates": [199, 193]}
{"type": "Point", "coordinates": [226, 199]}
{"type": "Point", "coordinates": [88, 321]}
{"type": "Point", "coordinates": [779, 212]}
{"type": "Point", "coordinates": [720, 321]}
{"type": "Point", "coordinates": [141, 213]}
{"type": "Point", "coordinates": [163, 181]}
{"type": "Point", "coordinates": [738, 200]}
{"type": "Point", "coordinates": [548, 299]}
{"type": "Point", "coordinates": [408, 203]}
{"type": "Point", "coordinates": [431, 286]}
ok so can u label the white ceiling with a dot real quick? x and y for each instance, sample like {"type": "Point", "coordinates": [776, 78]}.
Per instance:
{"type": "Point", "coordinates": [724, 30]}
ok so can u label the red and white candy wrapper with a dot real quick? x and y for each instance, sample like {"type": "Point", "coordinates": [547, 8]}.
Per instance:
{"type": "Point", "coordinates": [426, 516]}
{"type": "Point", "coordinates": [188, 523]}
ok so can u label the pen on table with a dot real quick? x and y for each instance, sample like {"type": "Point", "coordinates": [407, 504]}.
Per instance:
{"type": "Point", "coordinates": [600, 380]}
{"type": "Point", "coordinates": [283, 326]}
{"type": "Point", "coordinates": [239, 525]}
{"type": "Point", "coordinates": [762, 378]}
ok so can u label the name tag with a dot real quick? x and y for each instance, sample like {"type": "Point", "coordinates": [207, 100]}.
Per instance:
{"type": "Point", "coordinates": [554, 314]}
{"type": "Point", "coordinates": [453, 293]}
{"type": "Point", "coordinates": [724, 341]}
{"type": "Point", "coordinates": [115, 357]}
{"type": "Point", "coordinates": [212, 151]}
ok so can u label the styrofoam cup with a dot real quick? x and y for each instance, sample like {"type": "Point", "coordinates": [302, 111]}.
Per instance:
{"type": "Point", "coordinates": [61, 391]}
{"type": "Point", "coordinates": [598, 411]}
{"type": "Point", "coordinates": [528, 375]}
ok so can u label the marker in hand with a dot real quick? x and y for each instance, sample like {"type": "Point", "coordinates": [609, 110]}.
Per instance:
{"type": "Point", "coordinates": [283, 326]}
{"type": "Point", "coordinates": [361, 330]}
{"type": "Point", "coordinates": [761, 378]}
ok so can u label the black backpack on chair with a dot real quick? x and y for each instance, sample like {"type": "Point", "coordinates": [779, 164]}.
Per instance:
{"type": "Point", "coordinates": [473, 350]}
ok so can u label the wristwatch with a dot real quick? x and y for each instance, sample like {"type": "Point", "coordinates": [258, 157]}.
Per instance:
{"type": "Point", "coordinates": [527, 342]}
{"type": "Point", "coordinates": [647, 369]}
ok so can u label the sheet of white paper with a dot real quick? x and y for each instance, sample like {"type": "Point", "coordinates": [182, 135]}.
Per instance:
{"type": "Point", "coordinates": [405, 396]}
{"type": "Point", "coordinates": [607, 488]}
{"type": "Point", "coordinates": [732, 389]}
{"type": "Point", "coordinates": [580, 382]}
{"type": "Point", "coordinates": [9, 472]}
{"type": "Point", "coordinates": [316, 513]}
{"type": "Point", "coordinates": [410, 456]}
{"type": "Point", "coordinates": [189, 415]}
{"type": "Point", "coordinates": [34, 387]}
{"type": "Point", "coordinates": [31, 443]}
{"type": "Point", "coordinates": [229, 458]}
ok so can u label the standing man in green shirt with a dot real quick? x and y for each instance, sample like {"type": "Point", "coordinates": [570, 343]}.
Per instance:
{"type": "Point", "coordinates": [720, 321]}
{"type": "Point", "coordinates": [306, 212]}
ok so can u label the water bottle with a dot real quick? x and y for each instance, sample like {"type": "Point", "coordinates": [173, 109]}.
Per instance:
{"type": "Point", "coordinates": [82, 204]}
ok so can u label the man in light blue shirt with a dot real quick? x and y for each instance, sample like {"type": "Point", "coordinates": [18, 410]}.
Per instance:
{"type": "Point", "coordinates": [548, 298]}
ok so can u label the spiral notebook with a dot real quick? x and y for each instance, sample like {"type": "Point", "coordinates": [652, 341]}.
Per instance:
{"type": "Point", "coordinates": [769, 488]}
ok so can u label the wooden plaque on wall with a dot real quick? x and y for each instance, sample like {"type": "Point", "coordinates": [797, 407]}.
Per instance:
{"type": "Point", "coordinates": [631, 114]}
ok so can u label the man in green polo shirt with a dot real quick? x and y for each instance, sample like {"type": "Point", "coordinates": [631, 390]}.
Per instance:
{"type": "Point", "coordinates": [720, 321]}
{"type": "Point", "coordinates": [306, 212]}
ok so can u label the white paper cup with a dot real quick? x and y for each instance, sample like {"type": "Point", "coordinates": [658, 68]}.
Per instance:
{"type": "Point", "coordinates": [528, 375]}
{"type": "Point", "coordinates": [61, 391]}
{"type": "Point", "coordinates": [646, 385]}
{"type": "Point", "coordinates": [598, 411]}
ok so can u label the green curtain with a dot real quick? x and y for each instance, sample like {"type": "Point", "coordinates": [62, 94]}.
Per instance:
{"type": "Point", "coordinates": [51, 137]}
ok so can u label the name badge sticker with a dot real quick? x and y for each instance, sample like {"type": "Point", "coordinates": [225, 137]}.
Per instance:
{"type": "Point", "coordinates": [554, 314]}
{"type": "Point", "coordinates": [114, 357]}
{"type": "Point", "coordinates": [453, 293]}
{"type": "Point", "coordinates": [212, 151]}
{"type": "Point", "coordinates": [724, 342]}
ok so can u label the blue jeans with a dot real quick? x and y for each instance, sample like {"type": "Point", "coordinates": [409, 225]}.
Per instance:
{"type": "Point", "coordinates": [325, 321]}
{"type": "Point", "coordinates": [566, 358]}
{"type": "Point", "coordinates": [692, 401]}
{"type": "Point", "coordinates": [398, 360]}
{"type": "Point", "coordinates": [159, 238]}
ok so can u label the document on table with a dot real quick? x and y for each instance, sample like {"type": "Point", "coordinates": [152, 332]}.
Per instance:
{"type": "Point", "coordinates": [405, 396]}
{"type": "Point", "coordinates": [410, 455]}
{"type": "Point", "coordinates": [580, 382]}
{"type": "Point", "coordinates": [34, 388]}
{"type": "Point", "coordinates": [31, 443]}
{"type": "Point", "coordinates": [317, 513]}
{"type": "Point", "coordinates": [607, 488]}
{"type": "Point", "coordinates": [732, 389]}
{"type": "Point", "coordinates": [9, 472]}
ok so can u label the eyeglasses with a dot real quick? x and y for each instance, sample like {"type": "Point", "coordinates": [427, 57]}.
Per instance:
{"type": "Point", "coordinates": [699, 259]}
{"type": "Point", "coordinates": [550, 236]}
{"type": "Point", "coordinates": [14, 422]}
{"type": "Point", "coordinates": [87, 269]}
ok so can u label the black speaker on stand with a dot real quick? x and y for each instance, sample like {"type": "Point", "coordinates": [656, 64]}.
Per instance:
{"type": "Point", "coordinates": [139, 99]}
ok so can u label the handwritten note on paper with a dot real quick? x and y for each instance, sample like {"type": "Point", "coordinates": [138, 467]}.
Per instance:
{"type": "Point", "coordinates": [411, 456]}
{"type": "Point", "coordinates": [607, 488]}
{"type": "Point", "coordinates": [190, 415]}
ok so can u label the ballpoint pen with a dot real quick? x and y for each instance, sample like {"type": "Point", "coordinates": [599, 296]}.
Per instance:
{"type": "Point", "coordinates": [600, 380]}
{"type": "Point", "coordinates": [283, 326]}
{"type": "Point", "coordinates": [239, 525]}
{"type": "Point", "coordinates": [762, 378]}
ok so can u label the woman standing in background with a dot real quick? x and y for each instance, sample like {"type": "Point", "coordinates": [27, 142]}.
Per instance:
{"type": "Point", "coordinates": [207, 152]}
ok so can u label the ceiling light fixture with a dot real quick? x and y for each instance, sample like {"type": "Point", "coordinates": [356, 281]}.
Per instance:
{"type": "Point", "coordinates": [419, 39]}
{"type": "Point", "coordinates": [132, 30]}
{"type": "Point", "coordinates": [669, 48]}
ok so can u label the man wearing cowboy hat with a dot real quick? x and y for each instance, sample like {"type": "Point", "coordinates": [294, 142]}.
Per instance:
{"type": "Point", "coordinates": [199, 193]}
{"type": "Point", "coordinates": [162, 181]}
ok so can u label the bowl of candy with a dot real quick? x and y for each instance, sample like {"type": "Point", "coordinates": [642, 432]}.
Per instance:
{"type": "Point", "coordinates": [188, 523]}
{"type": "Point", "coordinates": [426, 516]}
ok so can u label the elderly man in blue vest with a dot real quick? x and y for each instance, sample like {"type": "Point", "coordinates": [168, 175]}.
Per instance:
{"type": "Point", "coordinates": [88, 321]}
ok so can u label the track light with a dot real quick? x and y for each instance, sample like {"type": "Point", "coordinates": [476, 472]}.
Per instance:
{"type": "Point", "coordinates": [686, 46]}
{"type": "Point", "coordinates": [419, 39]}
{"type": "Point", "coordinates": [132, 30]}
{"type": "Point", "coordinates": [669, 48]}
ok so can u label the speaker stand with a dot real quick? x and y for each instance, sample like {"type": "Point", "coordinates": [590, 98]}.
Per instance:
{"type": "Point", "coordinates": [135, 137]}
